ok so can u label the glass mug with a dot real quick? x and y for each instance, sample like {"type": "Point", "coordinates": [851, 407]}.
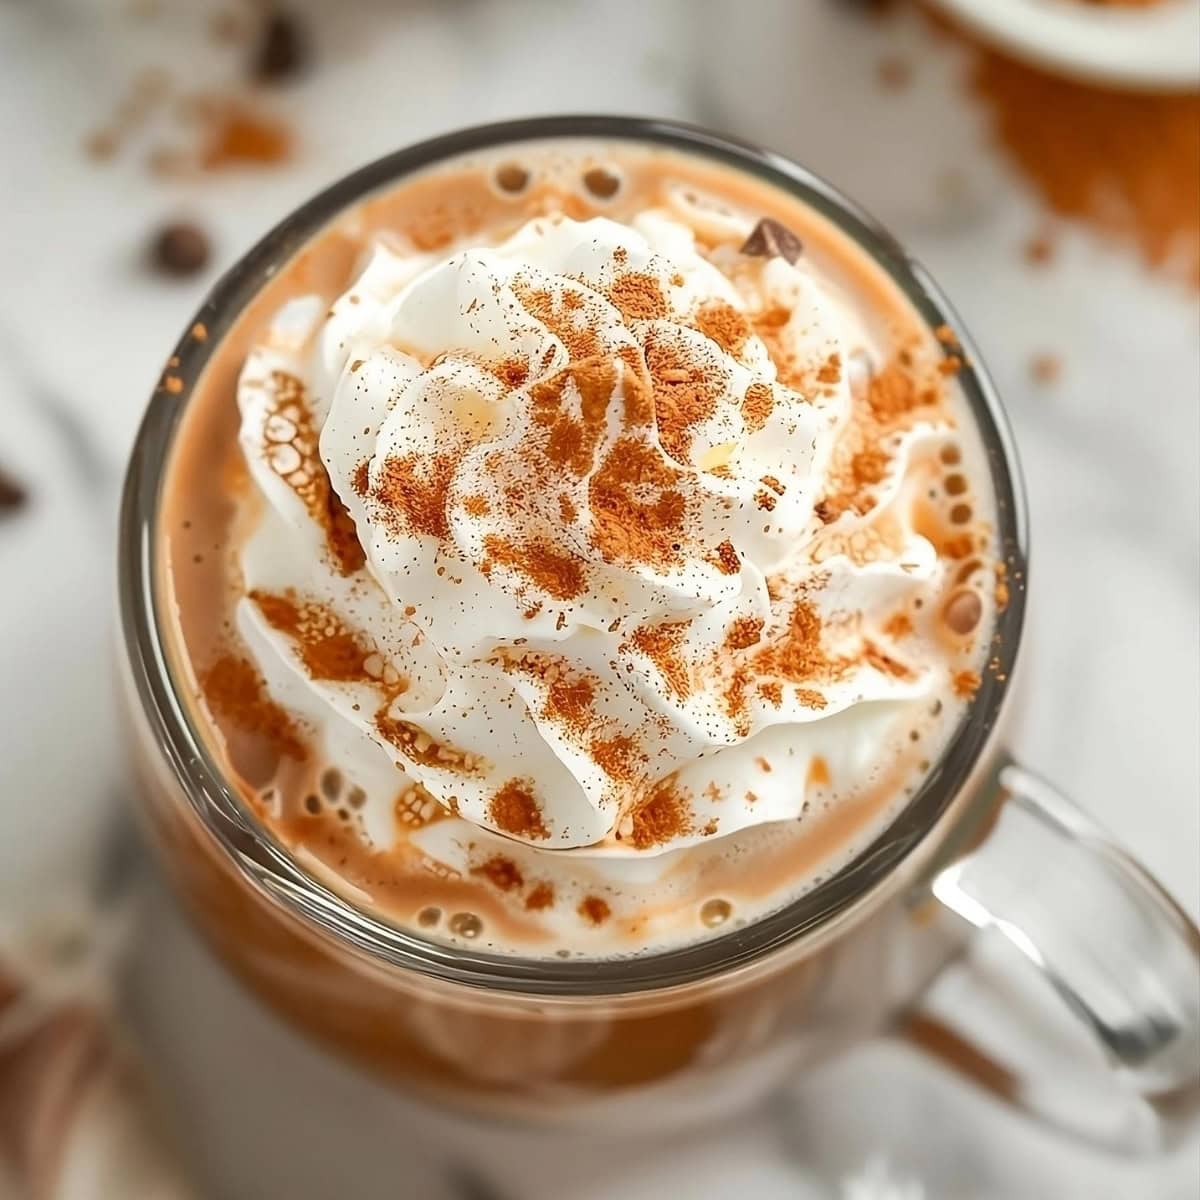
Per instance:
{"type": "Point", "coordinates": [679, 1035]}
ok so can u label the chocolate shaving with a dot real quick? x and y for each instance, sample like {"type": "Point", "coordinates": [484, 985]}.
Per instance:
{"type": "Point", "coordinates": [180, 249]}
{"type": "Point", "coordinates": [770, 239]}
{"type": "Point", "coordinates": [12, 495]}
{"type": "Point", "coordinates": [282, 51]}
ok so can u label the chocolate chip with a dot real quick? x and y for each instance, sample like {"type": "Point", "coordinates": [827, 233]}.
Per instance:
{"type": "Point", "coordinates": [770, 239]}
{"type": "Point", "coordinates": [12, 495]}
{"type": "Point", "coordinates": [180, 249]}
{"type": "Point", "coordinates": [282, 51]}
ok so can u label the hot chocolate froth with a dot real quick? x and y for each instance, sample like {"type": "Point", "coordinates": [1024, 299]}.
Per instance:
{"type": "Point", "coordinates": [619, 567]}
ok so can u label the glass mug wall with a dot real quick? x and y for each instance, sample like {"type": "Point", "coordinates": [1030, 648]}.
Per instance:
{"type": "Point", "coordinates": [684, 1032]}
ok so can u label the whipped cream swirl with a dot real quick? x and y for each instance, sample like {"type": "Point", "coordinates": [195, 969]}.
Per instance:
{"type": "Point", "coordinates": [544, 528]}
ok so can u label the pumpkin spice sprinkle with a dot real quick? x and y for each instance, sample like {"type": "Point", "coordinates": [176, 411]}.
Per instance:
{"type": "Point", "coordinates": [596, 539]}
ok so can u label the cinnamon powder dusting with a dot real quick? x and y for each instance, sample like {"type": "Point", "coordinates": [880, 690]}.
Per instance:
{"type": "Point", "coordinates": [799, 655]}
{"type": "Point", "coordinates": [326, 647]}
{"type": "Point", "coordinates": [683, 395]}
{"type": "Point", "coordinates": [618, 757]}
{"type": "Point", "coordinates": [559, 317]}
{"type": "Point", "coordinates": [1126, 163]}
{"type": "Point", "coordinates": [662, 645]}
{"type": "Point", "coordinates": [414, 491]}
{"type": "Point", "coordinates": [418, 746]}
{"type": "Point", "coordinates": [558, 575]}
{"type": "Point", "coordinates": [637, 509]}
{"type": "Point", "coordinates": [234, 690]}
{"type": "Point", "coordinates": [757, 405]}
{"type": "Point", "coordinates": [290, 449]}
{"type": "Point", "coordinates": [571, 442]}
{"type": "Point", "coordinates": [743, 632]}
{"type": "Point", "coordinates": [515, 809]}
{"type": "Point", "coordinates": [664, 814]}
{"type": "Point", "coordinates": [724, 325]}
{"type": "Point", "coordinates": [638, 297]}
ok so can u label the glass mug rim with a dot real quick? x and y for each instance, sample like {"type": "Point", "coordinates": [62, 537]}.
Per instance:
{"type": "Point", "coordinates": [267, 866]}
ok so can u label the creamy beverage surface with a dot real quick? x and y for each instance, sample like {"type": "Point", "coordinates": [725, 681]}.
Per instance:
{"type": "Point", "coordinates": [580, 549]}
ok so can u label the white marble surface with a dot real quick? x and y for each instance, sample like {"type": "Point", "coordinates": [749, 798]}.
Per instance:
{"type": "Point", "coordinates": [1109, 700]}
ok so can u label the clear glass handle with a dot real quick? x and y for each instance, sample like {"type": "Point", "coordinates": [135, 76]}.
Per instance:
{"type": "Point", "coordinates": [1107, 939]}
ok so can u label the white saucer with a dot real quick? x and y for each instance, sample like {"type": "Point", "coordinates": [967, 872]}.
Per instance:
{"type": "Point", "coordinates": [1156, 47]}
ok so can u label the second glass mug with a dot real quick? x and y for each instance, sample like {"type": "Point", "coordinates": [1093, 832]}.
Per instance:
{"type": "Point", "coordinates": [688, 1033]}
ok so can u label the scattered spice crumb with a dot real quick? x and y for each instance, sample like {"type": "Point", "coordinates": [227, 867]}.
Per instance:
{"type": "Point", "coordinates": [894, 74]}
{"type": "Point", "coordinates": [1039, 250]}
{"type": "Point", "coordinates": [1045, 368]}
{"type": "Point", "coordinates": [965, 684]}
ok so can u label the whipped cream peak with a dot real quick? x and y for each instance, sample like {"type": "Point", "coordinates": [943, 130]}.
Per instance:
{"type": "Point", "coordinates": [547, 525]}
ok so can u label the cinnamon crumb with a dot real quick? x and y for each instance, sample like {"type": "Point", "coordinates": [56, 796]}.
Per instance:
{"type": "Point", "coordinates": [595, 910]}
{"type": "Point", "coordinates": [541, 896]}
{"type": "Point", "coordinates": [501, 872]}
{"type": "Point", "coordinates": [831, 370]}
{"type": "Point", "coordinates": [893, 73]}
{"type": "Point", "coordinates": [726, 560]}
{"type": "Point", "coordinates": [965, 684]}
{"type": "Point", "coordinates": [1045, 368]}
{"type": "Point", "coordinates": [763, 765]}
{"type": "Point", "coordinates": [1039, 250]}
{"type": "Point", "coordinates": [238, 134]}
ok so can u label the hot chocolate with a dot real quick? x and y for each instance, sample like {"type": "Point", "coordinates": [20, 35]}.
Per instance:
{"type": "Point", "coordinates": [578, 551]}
